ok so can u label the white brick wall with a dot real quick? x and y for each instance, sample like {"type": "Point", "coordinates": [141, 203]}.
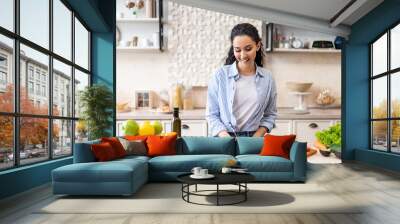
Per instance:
{"type": "Point", "coordinates": [198, 42]}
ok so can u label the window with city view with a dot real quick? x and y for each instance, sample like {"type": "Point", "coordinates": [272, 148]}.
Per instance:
{"type": "Point", "coordinates": [43, 68]}
{"type": "Point", "coordinates": [385, 82]}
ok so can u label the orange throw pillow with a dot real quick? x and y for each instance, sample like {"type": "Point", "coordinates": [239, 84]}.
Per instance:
{"type": "Point", "coordinates": [161, 145]}
{"type": "Point", "coordinates": [103, 152]}
{"type": "Point", "coordinates": [116, 145]}
{"type": "Point", "coordinates": [277, 145]}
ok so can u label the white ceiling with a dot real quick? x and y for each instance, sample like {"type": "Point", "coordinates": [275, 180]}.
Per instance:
{"type": "Point", "coordinates": [323, 10]}
{"type": "Point", "coordinates": [318, 9]}
{"type": "Point", "coordinates": [313, 15]}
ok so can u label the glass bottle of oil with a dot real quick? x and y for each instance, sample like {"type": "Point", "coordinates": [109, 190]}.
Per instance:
{"type": "Point", "coordinates": [176, 122]}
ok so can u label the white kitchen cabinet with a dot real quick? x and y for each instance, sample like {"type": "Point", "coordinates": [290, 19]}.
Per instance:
{"type": "Point", "coordinates": [194, 128]}
{"type": "Point", "coordinates": [167, 126]}
{"type": "Point", "coordinates": [282, 127]}
{"type": "Point", "coordinates": [119, 130]}
{"type": "Point", "coordinates": [305, 129]}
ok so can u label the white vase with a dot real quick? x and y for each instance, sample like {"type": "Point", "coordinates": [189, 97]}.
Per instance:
{"type": "Point", "coordinates": [149, 8]}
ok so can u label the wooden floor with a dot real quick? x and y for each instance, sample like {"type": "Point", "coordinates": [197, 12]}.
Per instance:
{"type": "Point", "coordinates": [378, 189]}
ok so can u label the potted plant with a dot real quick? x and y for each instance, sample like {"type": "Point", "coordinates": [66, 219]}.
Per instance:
{"type": "Point", "coordinates": [96, 103]}
{"type": "Point", "coordinates": [331, 139]}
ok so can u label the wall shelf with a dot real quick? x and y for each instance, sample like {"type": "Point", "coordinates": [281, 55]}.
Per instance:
{"type": "Point", "coordinates": [142, 29]}
{"type": "Point", "coordinates": [311, 50]}
{"type": "Point", "coordinates": [277, 36]}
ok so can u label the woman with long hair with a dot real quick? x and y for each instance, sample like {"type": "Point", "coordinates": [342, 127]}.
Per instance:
{"type": "Point", "coordinates": [241, 98]}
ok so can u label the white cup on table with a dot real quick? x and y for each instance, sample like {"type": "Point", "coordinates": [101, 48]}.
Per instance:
{"type": "Point", "coordinates": [196, 171]}
{"type": "Point", "coordinates": [203, 172]}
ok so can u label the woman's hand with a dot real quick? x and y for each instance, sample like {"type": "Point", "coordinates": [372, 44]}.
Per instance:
{"type": "Point", "coordinates": [224, 134]}
{"type": "Point", "coordinates": [261, 131]}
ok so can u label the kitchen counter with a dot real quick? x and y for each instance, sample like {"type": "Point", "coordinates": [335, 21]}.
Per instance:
{"type": "Point", "coordinates": [199, 114]}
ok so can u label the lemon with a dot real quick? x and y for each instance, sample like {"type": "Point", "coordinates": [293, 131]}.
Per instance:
{"type": "Point", "coordinates": [146, 129]}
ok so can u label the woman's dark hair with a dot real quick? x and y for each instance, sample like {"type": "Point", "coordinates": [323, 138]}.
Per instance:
{"type": "Point", "coordinates": [248, 30]}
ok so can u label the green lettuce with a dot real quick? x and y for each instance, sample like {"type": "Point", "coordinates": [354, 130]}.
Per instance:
{"type": "Point", "coordinates": [330, 137]}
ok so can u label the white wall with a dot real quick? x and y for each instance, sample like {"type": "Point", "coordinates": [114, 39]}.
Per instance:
{"type": "Point", "coordinates": [140, 71]}
{"type": "Point", "coordinates": [323, 69]}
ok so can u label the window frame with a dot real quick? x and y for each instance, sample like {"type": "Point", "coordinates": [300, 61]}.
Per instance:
{"type": "Point", "coordinates": [15, 72]}
{"type": "Point", "coordinates": [388, 74]}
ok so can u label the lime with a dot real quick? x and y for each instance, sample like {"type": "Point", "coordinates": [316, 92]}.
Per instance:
{"type": "Point", "coordinates": [158, 128]}
{"type": "Point", "coordinates": [130, 127]}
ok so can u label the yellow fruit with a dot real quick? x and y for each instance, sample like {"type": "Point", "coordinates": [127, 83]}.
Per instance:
{"type": "Point", "coordinates": [146, 129]}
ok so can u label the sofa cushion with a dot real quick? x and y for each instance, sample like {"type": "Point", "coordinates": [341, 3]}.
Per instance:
{"type": "Point", "coordinates": [161, 145]}
{"type": "Point", "coordinates": [257, 163]}
{"type": "Point", "coordinates": [190, 145]}
{"type": "Point", "coordinates": [103, 152]}
{"type": "Point", "coordinates": [132, 157]}
{"type": "Point", "coordinates": [112, 171]}
{"type": "Point", "coordinates": [185, 163]}
{"type": "Point", "coordinates": [277, 145]}
{"type": "Point", "coordinates": [249, 145]}
{"type": "Point", "coordinates": [83, 152]}
{"type": "Point", "coordinates": [116, 145]}
{"type": "Point", "coordinates": [136, 137]}
{"type": "Point", "coordinates": [134, 147]}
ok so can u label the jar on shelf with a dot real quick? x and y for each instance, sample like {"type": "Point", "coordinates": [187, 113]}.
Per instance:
{"type": "Point", "coordinates": [188, 98]}
{"type": "Point", "coordinates": [149, 8]}
{"type": "Point", "coordinates": [177, 96]}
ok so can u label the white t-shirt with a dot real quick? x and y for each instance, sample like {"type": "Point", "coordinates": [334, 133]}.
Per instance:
{"type": "Point", "coordinates": [245, 103]}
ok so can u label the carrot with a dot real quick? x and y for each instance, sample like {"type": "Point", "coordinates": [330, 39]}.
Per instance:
{"type": "Point", "coordinates": [319, 145]}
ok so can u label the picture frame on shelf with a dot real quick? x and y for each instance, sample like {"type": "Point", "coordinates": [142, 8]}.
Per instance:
{"type": "Point", "coordinates": [144, 99]}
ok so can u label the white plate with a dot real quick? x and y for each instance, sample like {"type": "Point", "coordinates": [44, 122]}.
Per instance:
{"type": "Point", "coordinates": [208, 176]}
{"type": "Point", "coordinates": [240, 171]}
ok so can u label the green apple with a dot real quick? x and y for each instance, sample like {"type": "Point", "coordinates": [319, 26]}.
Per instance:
{"type": "Point", "coordinates": [158, 128]}
{"type": "Point", "coordinates": [130, 127]}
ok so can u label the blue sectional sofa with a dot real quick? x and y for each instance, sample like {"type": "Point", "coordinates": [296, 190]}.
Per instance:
{"type": "Point", "coordinates": [125, 176]}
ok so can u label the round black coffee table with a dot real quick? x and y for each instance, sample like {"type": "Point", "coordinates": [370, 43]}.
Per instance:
{"type": "Point", "coordinates": [238, 179]}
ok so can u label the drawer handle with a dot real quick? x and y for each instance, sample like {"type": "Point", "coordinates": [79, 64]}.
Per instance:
{"type": "Point", "coordinates": [313, 125]}
{"type": "Point", "coordinates": [185, 126]}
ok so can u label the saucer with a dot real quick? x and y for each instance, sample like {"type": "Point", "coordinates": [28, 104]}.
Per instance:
{"type": "Point", "coordinates": [240, 171]}
{"type": "Point", "coordinates": [208, 176]}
